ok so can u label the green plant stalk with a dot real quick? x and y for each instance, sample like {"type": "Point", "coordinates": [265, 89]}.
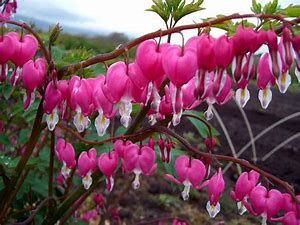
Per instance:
{"type": "Point", "coordinates": [51, 170]}
{"type": "Point", "coordinates": [7, 195]}
{"type": "Point", "coordinates": [73, 197]}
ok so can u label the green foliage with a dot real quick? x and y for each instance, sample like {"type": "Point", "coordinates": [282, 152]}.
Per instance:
{"type": "Point", "coordinates": [200, 126]}
{"type": "Point", "coordinates": [291, 11]}
{"type": "Point", "coordinates": [171, 11]}
{"type": "Point", "coordinates": [256, 7]}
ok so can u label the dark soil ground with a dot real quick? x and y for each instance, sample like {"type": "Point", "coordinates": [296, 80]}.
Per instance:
{"type": "Point", "coordinates": [158, 199]}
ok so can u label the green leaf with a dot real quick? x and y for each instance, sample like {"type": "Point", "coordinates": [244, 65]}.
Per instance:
{"type": "Point", "coordinates": [4, 139]}
{"type": "Point", "coordinates": [291, 11]}
{"type": "Point", "coordinates": [200, 126]}
{"type": "Point", "coordinates": [184, 10]}
{"type": "Point", "coordinates": [256, 7]}
{"type": "Point", "coordinates": [270, 7]}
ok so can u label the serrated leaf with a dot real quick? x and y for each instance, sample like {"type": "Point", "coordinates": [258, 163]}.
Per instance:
{"type": "Point", "coordinates": [270, 7]}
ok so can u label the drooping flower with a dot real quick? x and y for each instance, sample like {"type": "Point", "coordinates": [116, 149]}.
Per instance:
{"type": "Point", "coordinates": [66, 154]}
{"type": "Point", "coordinates": [189, 172]}
{"type": "Point", "coordinates": [215, 187]}
{"type": "Point", "coordinates": [33, 74]}
{"type": "Point", "coordinates": [180, 65]}
{"type": "Point", "coordinates": [122, 89]}
{"type": "Point", "coordinates": [86, 165]}
{"type": "Point", "coordinates": [7, 49]}
{"type": "Point", "coordinates": [264, 203]}
{"type": "Point", "coordinates": [265, 80]}
{"type": "Point", "coordinates": [55, 95]}
{"type": "Point", "coordinates": [296, 47]}
{"type": "Point", "coordinates": [25, 48]}
{"type": "Point", "coordinates": [139, 160]}
{"type": "Point", "coordinates": [243, 187]}
{"type": "Point", "coordinates": [81, 102]}
{"type": "Point", "coordinates": [107, 163]}
{"type": "Point", "coordinates": [102, 105]}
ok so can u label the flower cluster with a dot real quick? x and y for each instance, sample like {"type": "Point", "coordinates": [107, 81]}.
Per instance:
{"type": "Point", "coordinates": [7, 9]}
{"type": "Point", "coordinates": [249, 194]}
{"type": "Point", "coordinates": [20, 50]}
{"type": "Point", "coordinates": [197, 71]}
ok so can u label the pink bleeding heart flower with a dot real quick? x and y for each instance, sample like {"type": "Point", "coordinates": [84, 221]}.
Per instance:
{"type": "Point", "coordinates": [81, 102]}
{"type": "Point", "coordinates": [264, 203]}
{"type": "Point", "coordinates": [120, 145]}
{"type": "Point", "coordinates": [89, 215]}
{"type": "Point", "coordinates": [284, 80]}
{"type": "Point", "coordinates": [149, 59]}
{"type": "Point", "coordinates": [139, 160]}
{"type": "Point", "coordinates": [210, 143]}
{"type": "Point", "coordinates": [66, 154]}
{"type": "Point", "coordinates": [206, 53]}
{"type": "Point", "coordinates": [265, 80]}
{"type": "Point", "coordinates": [122, 89]}
{"type": "Point", "coordinates": [215, 187]}
{"type": "Point", "coordinates": [86, 165]}
{"type": "Point", "coordinates": [178, 222]}
{"type": "Point", "coordinates": [60, 179]}
{"type": "Point", "coordinates": [103, 106]}
{"type": "Point", "coordinates": [7, 49]}
{"type": "Point", "coordinates": [220, 92]}
{"type": "Point", "coordinates": [243, 187]}
{"type": "Point", "coordinates": [223, 52]}
{"type": "Point", "coordinates": [290, 218]}
{"type": "Point", "coordinates": [180, 65]}
{"type": "Point", "coordinates": [55, 94]}
{"type": "Point", "coordinates": [151, 142]}
{"type": "Point", "coordinates": [33, 74]}
{"type": "Point", "coordinates": [275, 60]}
{"type": "Point", "coordinates": [189, 98]}
{"type": "Point", "coordinates": [296, 47]}
{"type": "Point", "coordinates": [190, 173]}
{"type": "Point", "coordinates": [107, 163]}
{"type": "Point", "coordinates": [99, 199]}
{"type": "Point", "coordinates": [25, 48]}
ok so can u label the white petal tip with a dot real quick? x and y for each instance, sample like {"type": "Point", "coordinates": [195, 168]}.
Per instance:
{"type": "Point", "coordinates": [241, 208]}
{"type": "Point", "coordinates": [242, 96]}
{"type": "Point", "coordinates": [265, 97]}
{"type": "Point", "coordinates": [213, 210]}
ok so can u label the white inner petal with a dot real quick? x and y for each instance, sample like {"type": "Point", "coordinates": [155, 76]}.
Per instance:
{"type": "Point", "coordinates": [242, 96]}
{"type": "Point", "coordinates": [87, 180]}
{"type": "Point", "coordinates": [208, 114]}
{"type": "Point", "coordinates": [101, 123]}
{"type": "Point", "coordinates": [65, 171]}
{"type": "Point", "coordinates": [80, 121]}
{"type": "Point", "coordinates": [283, 82]}
{"type": "Point", "coordinates": [265, 97]}
{"type": "Point", "coordinates": [186, 191]}
{"type": "Point", "coordinates": [241, 208]}
{"type": "Point", "coordinates": [136, 181]}
{"type": "Point", "coordinates": [125, 110]}
{"type": "Point", "coordinates": [52, 119]}
{"type": "Point", "coordinates": [213, 210]}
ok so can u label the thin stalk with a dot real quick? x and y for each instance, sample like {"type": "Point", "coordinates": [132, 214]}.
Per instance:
{"type": "Point", "coordinates": [227, 136]}
{"type": "Point", "coordinates": [293, 137]}
{"type": "Point", "coordinates": [263, 132]}
{"type": "Point", "coordinates": [51, 170]}
{"type": "Point", "coordinates": [119, 51]}
{"type": "Point", "coordinates": [7, 194]}
{"type": "Point", "coordinates": [249, 131]}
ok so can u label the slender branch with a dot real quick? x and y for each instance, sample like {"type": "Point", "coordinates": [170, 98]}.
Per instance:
{"type": "Point", "coordinates": [159, 33]}
{"type": "Point", "coordinates": [34, 212]}
{"type": "Point", "coordinates": [8, 197]}
{"type": "Point", "coordinates": [50, 181]}
{"type": "Point", "coordinates": [241, 162]}
{"type": "Point", "coordinates": [35, 34]}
